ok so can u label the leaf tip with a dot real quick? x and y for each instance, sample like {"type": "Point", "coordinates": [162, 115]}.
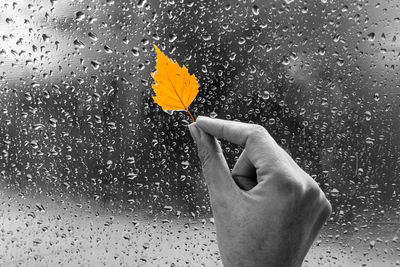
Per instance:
{"type": "Point", "coordinates": [156, 48]}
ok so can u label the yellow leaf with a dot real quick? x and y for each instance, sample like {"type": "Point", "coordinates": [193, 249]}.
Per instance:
{"type": "Point", "coordinates": [175, 88]}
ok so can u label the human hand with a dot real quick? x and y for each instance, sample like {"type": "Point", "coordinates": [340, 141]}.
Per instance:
{"type": "Point", "coordinates": [268, 211]}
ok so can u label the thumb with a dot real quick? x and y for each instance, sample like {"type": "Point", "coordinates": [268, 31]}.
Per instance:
{"type": "Point", "coordinates": [220, 183]}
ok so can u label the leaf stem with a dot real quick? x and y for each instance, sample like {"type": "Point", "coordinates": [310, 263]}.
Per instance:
{"type": "Point", "coordinates": [180, 99]}
{"type": "Point", "coordinates": [190, 114]}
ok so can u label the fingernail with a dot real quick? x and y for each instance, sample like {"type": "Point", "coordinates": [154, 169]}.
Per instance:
{"type": "Point", "coordinates": [193, 131]}
{"type": "Point", "coordinates": [202, 117]}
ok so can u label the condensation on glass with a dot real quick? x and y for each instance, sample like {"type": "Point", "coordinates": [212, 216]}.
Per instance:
{"type": "Point", "coordinates": [94, 173]}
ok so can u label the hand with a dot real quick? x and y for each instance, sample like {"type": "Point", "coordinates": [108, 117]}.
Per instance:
{"type": "Point", "coordinates": [268, 211]}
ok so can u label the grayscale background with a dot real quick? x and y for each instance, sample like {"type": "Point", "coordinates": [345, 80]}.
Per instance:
{"type": "Point", "coordinates": [94, 173]}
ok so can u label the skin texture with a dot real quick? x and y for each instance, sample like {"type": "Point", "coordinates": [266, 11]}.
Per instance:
{"type": "Point", "coordinates": [267, 211]}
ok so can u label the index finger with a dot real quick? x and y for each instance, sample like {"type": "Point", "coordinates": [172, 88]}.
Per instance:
{"type": "Point", "coordinates": [262, 150]}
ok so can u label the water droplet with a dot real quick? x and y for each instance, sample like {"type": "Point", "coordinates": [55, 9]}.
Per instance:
{"type": "Point", "coordinates": [367, 115]}
{"type": "Point", "coordinates": [172, 37]}
{"type": "Point", "coordinates": [141, 3]}
{"type": "Point", "coordinates": [79, 44]}
{"type": "Point", "coordinates": [321, 50]}
{"type": "Point", "coordinates": [107, 49]}
{"type": "Point", "coordinates": [371, 36]}
{"type": "Point", "coordinates": [369, 140]}
{"type": "Point", "coordinates": [168, 208]}
{"type": "Point", "coordinates": [255, 10]}
{"type": "Point", "coordinates": [34, 144]}
{"type": "Point", "coordinates": [95, 64]}
{"type": "Point", "coordinates": [265, 95]}
{"type": "Point", "coordinates": [334, 192]}
{"type": "Point", "coordinates": [96, 96]}
{"type": "Point", "coordinates": [37, 241]}
{"type": "Point", "coordinates": [154, 142]}
{"type": "Point", "coordinates": [285, 60]}
{"type": "Point", "coordinates": [340, 62]}
{"type": "Point", "coordinates": [45, 37]}
{"type": "Point", "coordinates": [28, 96]}
{"type": "Point", "coordinates": [372, 244]}
{"type": "Point", "coordinates": [79, 15]}
{"type": "Point", "coordinates": [38, 126]}
{"type": "Point", "coordinates": [35, 84]}
{"type": "Point", "coordinates": [206, 37]}
{"type": "Point", "coordinates": [324, 101]}
{"type": "Point", "coordinates": [135, 51]}
{"type": "Point", "coordinates": [53, 122]}
{"type": "Point", "coordinates": [185, 164]}
{"type": "Point", "coordinates": [232, 56]}
{"type": "Point", "coordinates": [336, 38]}
{"type": "Point", "coordinates": [92, 36]}
{"type": "Point", "coordinates": [132, 176]}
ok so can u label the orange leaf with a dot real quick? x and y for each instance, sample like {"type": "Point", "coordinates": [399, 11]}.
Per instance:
{"type": "Point", "coordinates": [175, 88]}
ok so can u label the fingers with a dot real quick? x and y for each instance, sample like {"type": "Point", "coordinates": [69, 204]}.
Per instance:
{"type": "Point", "coordinates": [215, 169]}
{"type": "Point", "coordinates": [261, 149]}
{"type": "Point", "coordinates": [244, 173]}
{"type": "Point", "coordinates": [232, 131]}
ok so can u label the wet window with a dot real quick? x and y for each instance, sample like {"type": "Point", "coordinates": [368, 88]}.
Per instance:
{"type": "Point", "coordinates": [93, 172]}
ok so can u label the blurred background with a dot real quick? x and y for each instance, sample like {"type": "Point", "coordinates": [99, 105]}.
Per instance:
{"type": "Point", "coordinates": [93, 172]}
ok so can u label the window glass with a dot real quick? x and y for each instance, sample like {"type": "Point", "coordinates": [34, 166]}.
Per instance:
{"type": "Point", "coordinates": [93, 172]}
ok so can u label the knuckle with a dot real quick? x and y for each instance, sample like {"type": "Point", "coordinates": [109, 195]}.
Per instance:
{"type": "Point", "coordinates": [316, 200]}
{"type": "Point", "coordinates": [312, 193]}
{"type": "Point", "coordinates": [326, 209]}
{"type": "Point", "coordinates": [205, 158]}
{"type": "Point", "coordinates": [203, 153]}
{"type": "Point", "coordinates": [256, 130]}
{"type": "Point", "coordinates": [288, 186]}
{"type": "Point", "coordinates": [257, 133]}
